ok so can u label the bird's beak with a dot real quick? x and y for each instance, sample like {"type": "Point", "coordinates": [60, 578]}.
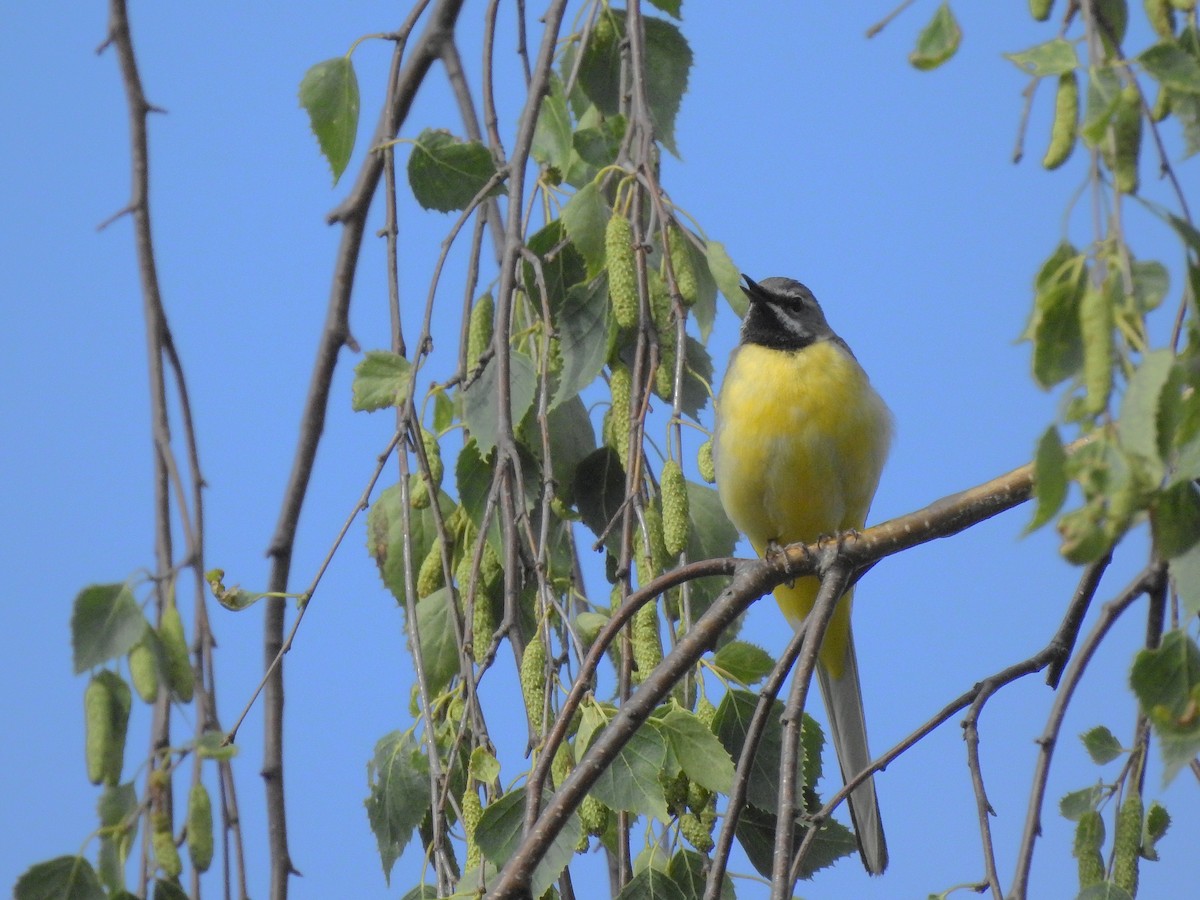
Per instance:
{"type": "Point", "coordinates": [750, 288]}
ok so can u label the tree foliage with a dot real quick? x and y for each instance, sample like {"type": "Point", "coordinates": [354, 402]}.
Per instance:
{"type": "Point", "coordinates": [574, 420]}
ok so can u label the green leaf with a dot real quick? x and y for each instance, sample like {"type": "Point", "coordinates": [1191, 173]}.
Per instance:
{"type": "Point", "coordinates": [1172, 67]}
{"type": "Point", "coordinates": [62, 878]}
{"type": "Point", "coordinates": [499, 834]}
{"type": "Point", "coordinates": [1075, 805]}
{"type": "Point", "coordinates": [756, 833]}
{"type": "Point", "coordinates": [484, 767]}
{"type": "Point", "coordinates": [1151, 281]}
{"type": "Point", "coordinates": [731, 725]}
{"type": "Point", "coordinates": [689, 870]}
{"type": "Point", "coordinates": [552, 137]}
{"type": "Point", "coordinates": [1054, 57]}
{"type": "Point", "coordinates": [726, 276]}
{"type": "Point", "coordinates": [211, 745]}
{"type": "Point", "coordinates": [631, 782]}
{"type": "Point", "coordinates": [1166, 682]}
{"type": "Point", "coordinates": [439, 649]}
{"type": "Point", "coordinates": [712, 535]}
{"type": "Point", "coordinates": [744, 663]}
{"type": "Point", "coordinates": [1050, 479]}
{"type": "Point", "coordinates": [938, 40]}
{"type": "Point", "coordinates": [1138, 426]}
{"type": "Point", "coordinates": [697, 379]}
{"type": "Point", "coordinates": [106, 622]}
{"type": "Point", "coordinates": [480, 406]}
{"type": "Point", "coordinates": [1106, 890]}
{"type": "Point", "coordinates": [583, 324]}
{"type": "Point", "coordinates": [1185, 108]}
{"type": "Point", "coordinates": [168, 890]}
{"type": "Point", "coordinates": [399, 799]}
{"type": "Point", "coordinates": [1175, 520]}
{"type": "Point", "coordinates": [329, 94]}
{"type": "Point", "coordinates": [599, 145]}
{"type": "Point", "coordinates": [380, 381]}
{"type": "Point", "coordinates": [600, 67]}
{"type": "Point", "coordinates": [704, 310]}
{"type": "Point", "coordinates": [446, 174]}
{"type": "Point", "coordinates": [1058, 346]}
{"type": "Point", "coordinates": [1104, 95]}
{"type": "Point", "coordinates": [1102, 745]}
{"type": "Point", "coordinates": [1158, 820]}
{"type": "Point", "coordinates": [668, 61]}
{"type": "Point", "coordinates": [651, 884]}
{"type": "Point", "coordinates": [697, 750]}
{"type": "Point", "coordinates": [386, 534]}
{"type": "Point", "coordinates": [1185, 574]}
{"type": "Point", "coordinates": [585, 217]}
{"type": "Point", "coordinates": [424, 892]}
{"type": "Point", "coordinates": [600, 490]}
{"type": "Point", "coordinates": [670, 7]}
{"type": "Point", "coordinates": [562, 266]}
{"type": "Point", "coordinates": [443, 411]}
{"type": "Point", "coordinates": [116, 803]}
{"type": "Point", "coordinates": [571, 441]}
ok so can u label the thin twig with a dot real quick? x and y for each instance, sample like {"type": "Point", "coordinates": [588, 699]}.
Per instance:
{"type": "Point", "coordinates": [1146, 581]}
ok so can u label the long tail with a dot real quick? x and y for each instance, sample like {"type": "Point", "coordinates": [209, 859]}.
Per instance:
{"type": "Point", "coordinates": [848, 728]}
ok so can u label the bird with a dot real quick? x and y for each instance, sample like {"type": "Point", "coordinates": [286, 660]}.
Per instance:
{"type": "Point", "coordinates": [799, 445]}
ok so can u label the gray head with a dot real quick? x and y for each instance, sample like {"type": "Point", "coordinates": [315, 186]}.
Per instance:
{"type": "Point", "coordinates": [784, 315]}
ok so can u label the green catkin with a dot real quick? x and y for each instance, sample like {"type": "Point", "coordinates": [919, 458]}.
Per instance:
{"type": "Point", "coordinates": [1127, 843]}
{"type": "Point", "coordinates": [622, 270]}
{"type": "Point", "coordinates": [1089, 838]}
{"type": "Point", "coordinates": [664, 375]}
{"type": "Point", "coordinates": [483, 626]}
{"type": "Point", "coordinates": [107, 702]}
{"type": "Point", "coordinates": [647, 645]}
{"type": "Point", "coordinates": [674, 508]}
{"type": "Point", "coordinates": [561, 765]}
{"type": "Point", "coordinates": [695, 833]}
{"type": "Point", "coordinates": [491, 570]}
{"type": "Point", "coordinates": [479, 330]}
{"type": "Point", "coordinates": [433, 455]}
{"type": "Point", "coordinates": [654, 535]}
{"type": "Point", "coordinates": [593, 815]}
{"type": "Point", "coordinates": [165, 852]}
{"type": "Point", "coordinates": [620, 383]}
{"type": "Point", "coordinates": [681, 265]}
{"type": "Point", "coordinates": [1066, 121]}
{"type": "Point", "coordinates": [472, 812]}
{"type": "Point", "coordinates": [98, 737]}
{"type": "Point", "coordinates": [143, 670]}
{"type": "Point", "coordinates": [675, 791]}
{"type": "Point", "coordinates": [1096, 328]}
{"type": "Point", "coordinates": [200, 828]}
{"type": "Point", "coordinates": [533, 680]}
{"type": "Point", "coordinates": [1040, 9]}
{"type": "Point", "coordinates": [705, 463]}
{"type": "Point", "coordinates": [1126, 140]}
{"type": "Point", "coordinates": [430, 576]}
{"type": "Point", "coordinates": [175, 654]}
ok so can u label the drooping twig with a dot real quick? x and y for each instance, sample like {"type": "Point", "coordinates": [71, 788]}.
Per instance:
{"type": "Point", "coordinates": [833, 585]}
{"type": "Point", "coordinates": [1147, 581]}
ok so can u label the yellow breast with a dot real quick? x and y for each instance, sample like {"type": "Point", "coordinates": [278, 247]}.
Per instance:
{"type": "Point", "coordinates": [800, 442]}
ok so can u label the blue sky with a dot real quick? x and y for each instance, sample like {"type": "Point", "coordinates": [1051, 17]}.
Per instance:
{"type": "Point", "coordinates": [807, 149]}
